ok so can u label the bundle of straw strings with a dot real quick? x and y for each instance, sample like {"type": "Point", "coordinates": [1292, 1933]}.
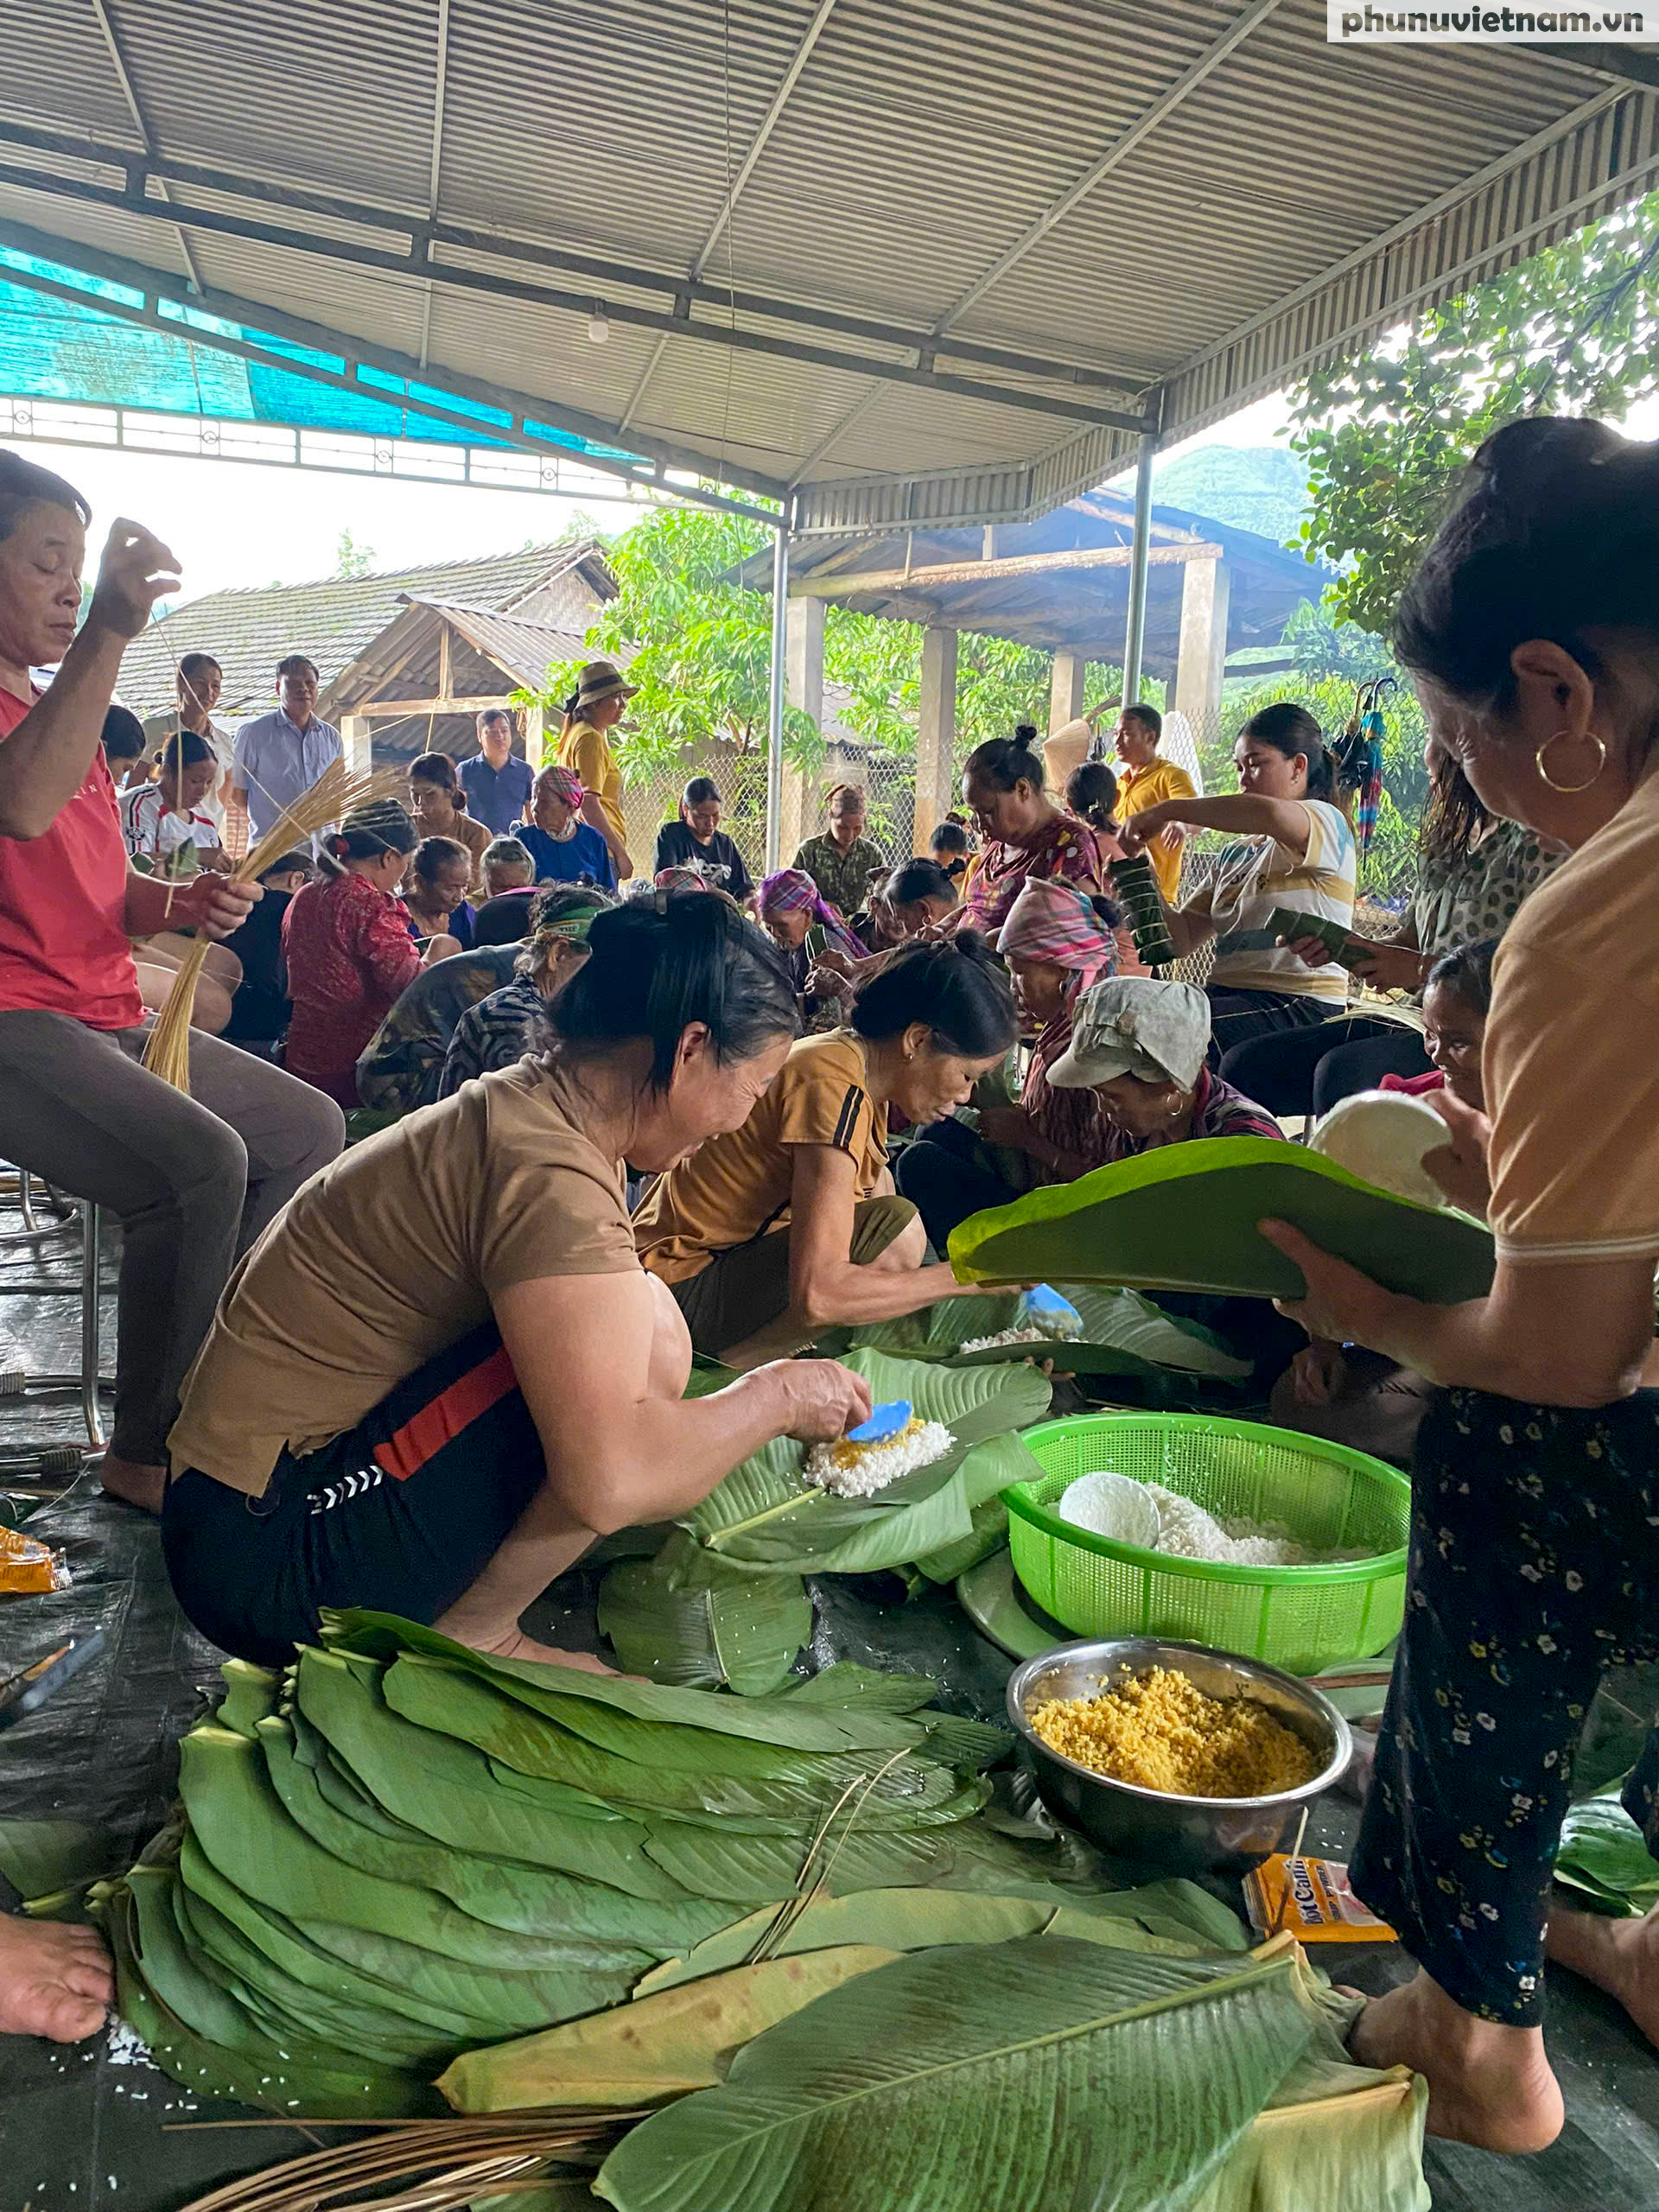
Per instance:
{"type": "Point", "coordinates": [336, 791]}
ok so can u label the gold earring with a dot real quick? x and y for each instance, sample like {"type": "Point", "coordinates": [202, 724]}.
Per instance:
{"type": "Point", "coordinates": [1568, 789]}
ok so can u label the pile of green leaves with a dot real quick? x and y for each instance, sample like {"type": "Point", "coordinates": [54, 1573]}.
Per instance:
{"type": "Point", "coordinates": [723, 1601]}
{"type": "Point", "coordinates": [398, 1852]}
{"type": "Point", "coordinates": [1604, 1855]}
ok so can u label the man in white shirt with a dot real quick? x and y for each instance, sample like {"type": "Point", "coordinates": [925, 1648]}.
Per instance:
{"type": "Point", "coordinates": [280, 756]}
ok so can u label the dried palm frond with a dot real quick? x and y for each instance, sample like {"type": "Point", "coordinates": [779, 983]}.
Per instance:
{"type": "Point", "coordinates": [336, 791]}
{"type": "Point", "coordinates": [446, 2162]}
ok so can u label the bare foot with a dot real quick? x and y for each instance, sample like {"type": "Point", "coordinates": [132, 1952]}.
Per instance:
{"type": "Point", "coordinates": [1488, 2086]}
{"type": "Point", "coordinates": [54, 1981]}
{"type": "Point", "coordinates": [1621, 1956]}
{"type": "Point", "coordinates": [132, 1481]}
{"type": "Point", "coordinates": [516, 1645]}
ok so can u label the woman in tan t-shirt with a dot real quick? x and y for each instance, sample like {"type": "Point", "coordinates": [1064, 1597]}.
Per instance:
{"type": "Point", "coordinates": [789, 1226]}
{"type": "Point", "coordinates": [1533, 632]}
{"type": "Point", "coordinates": [442, 1371]}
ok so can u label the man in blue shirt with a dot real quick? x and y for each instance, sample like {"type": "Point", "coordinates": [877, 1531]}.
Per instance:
{"type": "Point", "coordinates": [497, 784]}
{"type": "Point", "coordinates": [278, 757]}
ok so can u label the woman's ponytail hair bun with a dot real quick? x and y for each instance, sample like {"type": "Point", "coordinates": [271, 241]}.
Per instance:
{"type": "Point", "coordinates": [955, 988]}
{"type": "Point", "coordinates": [662, 962]}
{"type": "Point", "coordinates": [1555, 535]}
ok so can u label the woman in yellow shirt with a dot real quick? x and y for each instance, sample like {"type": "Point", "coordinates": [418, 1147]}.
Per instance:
{"type": "Point", "coordinates": [593, 708]}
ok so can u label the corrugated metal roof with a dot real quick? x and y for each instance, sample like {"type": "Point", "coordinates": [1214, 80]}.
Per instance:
{"type": "Point", "coordinates": [332, 621]}
{"type": "Point", "coordinates": [1199, 202]}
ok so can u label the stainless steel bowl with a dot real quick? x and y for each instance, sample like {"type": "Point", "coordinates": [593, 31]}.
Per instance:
{"type": "Point", "coordinates": [1176, 1836]}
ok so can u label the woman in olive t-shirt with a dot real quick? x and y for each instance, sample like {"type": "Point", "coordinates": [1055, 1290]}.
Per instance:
{"type": "Point", "coordinates": [789, 1225]}
{"type": "Point", "coordinates": [442, 1371]}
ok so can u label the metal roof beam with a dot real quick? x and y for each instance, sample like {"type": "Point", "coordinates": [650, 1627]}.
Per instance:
{"type": "Point", "coordinates": [722, 221]}
{"type": "Point", "coordinates": [118, 62]}
{"type": "Point", "coordinates": [154, 283]}
{"type": "Point", "coordinates": [137, 165]}
{"type": "Point", "coordinates": [415, 265]}
{"type": "Point", "coordinates": [855, 583]}
{"type": "Point", "coordinates": [439, 87]}
{"type": "Point", "coordinates": [1115, 156]}
{"type": "Point", "coordinates": [1632, 65]}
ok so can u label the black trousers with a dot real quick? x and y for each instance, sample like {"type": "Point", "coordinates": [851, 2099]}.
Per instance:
{"type": "Point", "coordinates": [401, 1514]}
{"type": "Point", "coordinates": [1237, 1017]}
{"type": "Point", "coordinates": [943, 1174]}
{"type": "Point", "coordinates": [1307, 1071]}
{"type": "Point", "coordinates": [1534, 1564]}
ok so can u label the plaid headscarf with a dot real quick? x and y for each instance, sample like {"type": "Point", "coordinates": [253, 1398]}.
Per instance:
{"type": "Point", "coordinates": [563, 783]}
{"type": "Point", "coordinates": [681, 879]}
{"type": "Point", "coordinates": [792, 888]}
{"type": "Point", "coordinates": [1055, 922]}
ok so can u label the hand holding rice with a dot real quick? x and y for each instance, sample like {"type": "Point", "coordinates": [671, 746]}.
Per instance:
{"type": "Point", "coordinates": [859, 1470]}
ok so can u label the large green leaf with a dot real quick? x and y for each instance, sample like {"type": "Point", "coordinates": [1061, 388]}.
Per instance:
{"type": "Point", "coordinates": [685, 1617]}
{"type": "Point", "coordinates": [782, 1725]}
{"type": "Point", "coordinates": [917, 1919]}
{"type": "Point", "coordinates": [662, 2046]}
{"type": "Point", "coordinates": [915, 1791]}
{"type": "Point", "coordinates": [1122, 1334]}
{"type": "Point", "coordinates": [766, 1517]}
{"type": "Point", "coordinates": [1184, 1218]}
{"type": "Point", "coordinates": [529, 1899]}
{"type": "Point", "coordinates": [1604, 1855]}
{"type": "Point", "coordinates": [1029, 2076]}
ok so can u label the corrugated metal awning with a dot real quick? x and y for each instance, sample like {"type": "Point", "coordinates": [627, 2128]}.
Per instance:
{"type": "Point", "coordinates": [912, 261]}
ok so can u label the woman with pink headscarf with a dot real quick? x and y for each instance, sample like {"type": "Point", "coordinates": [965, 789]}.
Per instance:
{"type": "Point", "coordinates": [792, 907]}
{"type": "Point", "coordinates": [1057, 941]}
{"type": "Point", "coordinates": [564, 848]}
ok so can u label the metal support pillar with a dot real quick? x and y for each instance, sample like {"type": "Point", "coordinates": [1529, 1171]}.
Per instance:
{"type": "Point", "coordinates": [1134, 639]}
{"type": "Point", "coordinates": [775, 727]}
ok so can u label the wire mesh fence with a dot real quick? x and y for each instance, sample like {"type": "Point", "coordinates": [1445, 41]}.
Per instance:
{"type": "Point", "coordinates": [898, 817]}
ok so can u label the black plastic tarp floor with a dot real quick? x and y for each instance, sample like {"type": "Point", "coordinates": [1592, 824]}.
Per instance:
{"type": "Point", "coordinates": [94, 2129]}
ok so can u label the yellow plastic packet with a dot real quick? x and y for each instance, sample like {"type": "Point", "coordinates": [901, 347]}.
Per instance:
{"type": "Point", "coordinates": [27, 1566]}
{"type": "Point", "coordinates": [1311, 1899]}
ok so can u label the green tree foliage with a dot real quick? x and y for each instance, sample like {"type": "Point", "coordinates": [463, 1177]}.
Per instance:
{"type": "Point", "coordinates": [352, 559]}
{"type": "Point", "coordinates": [1574, 330]}
{"type": "Point", "coordinates": [702, 653]}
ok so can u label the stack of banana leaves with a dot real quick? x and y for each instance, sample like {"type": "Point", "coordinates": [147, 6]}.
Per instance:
{"type": "Point", "coordinates": [723, 1600]}
{"type": "Point", "coordinates": [797, 1931]}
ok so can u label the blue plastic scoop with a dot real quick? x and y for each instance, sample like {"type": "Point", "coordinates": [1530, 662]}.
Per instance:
{"type": "Point", "coordinates": [884, 1421]}
{"type": "Point", "coordinates": [1045, 1309]}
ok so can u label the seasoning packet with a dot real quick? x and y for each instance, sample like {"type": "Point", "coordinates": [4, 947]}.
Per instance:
{"type": "Point", "coordinates": [1312, 1900]}
{"type": "Point", "coordinates": [27, 1566]}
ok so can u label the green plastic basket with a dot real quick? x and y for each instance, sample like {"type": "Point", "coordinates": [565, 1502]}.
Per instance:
{"type": "Point", "coordinates": [1302, 1618]}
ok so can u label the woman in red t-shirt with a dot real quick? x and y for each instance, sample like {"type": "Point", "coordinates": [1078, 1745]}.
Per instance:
{"type": "Point", "coordinates": [349, 949]}
{"type": "Point", "coordinates": [192, 1181]}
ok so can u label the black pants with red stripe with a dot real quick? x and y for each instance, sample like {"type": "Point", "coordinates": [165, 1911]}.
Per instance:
{"type": "Point", "coordinates": [400, 1514]}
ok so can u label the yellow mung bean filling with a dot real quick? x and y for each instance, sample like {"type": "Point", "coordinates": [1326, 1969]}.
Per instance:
{"type": "Point", "coordinates": [1161, 1731]}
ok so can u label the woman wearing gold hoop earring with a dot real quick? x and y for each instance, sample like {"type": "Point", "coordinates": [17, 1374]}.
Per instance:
{"type": "Point", "coordinates": [1532, 629]}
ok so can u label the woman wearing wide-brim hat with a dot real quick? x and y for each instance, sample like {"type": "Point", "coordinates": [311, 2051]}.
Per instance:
{"type": "Point", "coordinates": [593, 708]}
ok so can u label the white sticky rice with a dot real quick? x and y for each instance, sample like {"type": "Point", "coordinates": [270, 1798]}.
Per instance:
{"type": "Point", "coordinates": [1007, 1336]}
{"type": "Point", "coordinates": [860, 1470]}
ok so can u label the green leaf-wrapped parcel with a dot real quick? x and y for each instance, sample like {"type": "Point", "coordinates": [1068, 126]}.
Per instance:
{"type": "Point", "coordinates": [1184, 1218]}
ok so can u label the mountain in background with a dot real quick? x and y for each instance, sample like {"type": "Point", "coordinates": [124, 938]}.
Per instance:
{"type": "Point", "coordinates": [1261, 488]}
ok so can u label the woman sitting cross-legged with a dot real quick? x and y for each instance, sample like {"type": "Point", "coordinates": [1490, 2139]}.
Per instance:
{"type": "Point", "coordinates": [563, 848]}
{"type": "Point", "coordinates": [1360, 1397]}
{"type": "Point", "coordinates": [347, 948]}
{"type": "Point", "coordinates": [789, 1225]}
{"type": "Point", "coordinates": [444, 1371]}
{"type": "Point", "coordinates": [1292, 850]}
{"type": "Point", "coordinates": [497, 1031]}
{"type": "Point", "coordinates": [1056, 942]}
